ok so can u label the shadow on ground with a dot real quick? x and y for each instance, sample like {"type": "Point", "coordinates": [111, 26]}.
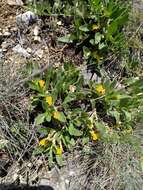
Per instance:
{"type": "Point", "coordinates": [22, 187]}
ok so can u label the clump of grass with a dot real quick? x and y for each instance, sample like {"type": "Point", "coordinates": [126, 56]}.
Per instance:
{"type": "Point", "coordinates": [113, 166]}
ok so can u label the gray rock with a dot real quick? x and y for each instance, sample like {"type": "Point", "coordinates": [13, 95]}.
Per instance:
{"type": "Point", "coordinates": [89, 76]}
{"type": "Point", "coordinates": [20, 50]}
{"type": "Point", "coordinates": [25, 19]}
{"type": "Point", "coordinates": [15, 2]}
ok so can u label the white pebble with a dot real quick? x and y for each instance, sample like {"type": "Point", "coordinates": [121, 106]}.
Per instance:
{"type": "Point", "coordinates": [36, 31]}
{"type": "Point", "coordinates": [37, 39]}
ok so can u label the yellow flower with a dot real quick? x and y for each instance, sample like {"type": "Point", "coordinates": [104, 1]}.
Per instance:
{"type": "Point", "coordinates": [56, 115]}
{"type": "Point", "coordinates": [100, 89]}
{"type": "Point", "coordinates": [95, 26]}
{"type": "Point", "coordinates": [59, 150]}
{"type": "Point", "coordinates": [43, 142]}
{"type": "Point", "coordinates": [41, 83]}
{"type": "Point", "coordinates": [49, 100]}
{"type": "Point", "coordinates": [94, 135]}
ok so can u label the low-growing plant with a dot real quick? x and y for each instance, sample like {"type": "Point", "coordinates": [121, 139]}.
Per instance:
{"type": "Point", "coordinates": [98, 31]}
{"type": "Point", "coordinates": [68, 112]}
{"type": "Point", "coordinates": [98, 28]}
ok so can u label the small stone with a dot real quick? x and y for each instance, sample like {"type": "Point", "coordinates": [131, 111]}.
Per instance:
{"type": "Point", "coordinates": [1, 34]}
{"type": "Point", "coordinates": [6, 33]}
{"type": "Point", "coordinates": [5, 45]}
{"type": "Point", "coordinates": [37, 39]}
{"type": "Point", "coordinates": [15, 2]}
{"type": "Point", "coordinates": [36, 30]}
{"type": "Point", "coordinates": [25, 19]}
{"type": "Point", "coordinates": [59, 23]}
{"type": "Point", "coordinates": [15, 176]}
{"type": "Point", "coordinates": [67, 181]}
{"type": "Point", "coordinates": [30, 165]}
{"type": "Point", "coordinates": [20, 50]}
{"type": "Point", "coordinates": [4, 50]}
{"type": "Point", "coordinates": [71, 173]}
{"type": "Point", "coordinates": [29, 50]}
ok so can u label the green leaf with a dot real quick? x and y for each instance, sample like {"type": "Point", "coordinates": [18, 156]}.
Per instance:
{"type": "Point", "coordinates": [69, 98]}
{"type": "Point", "coordinates": [102, 45]}
{"type": "Point", "coordinates": [98, 37]}
{"type": "Point", "coordinates": [33, 86]}
{"type": "Point", "coordinates": [85, 140]}
{"type": "Point", "coordinates": [65, 39]}
{"type": "Point", "coordinates": [62, 117]}
{"type": "Point", "coordinates": [84, 28]}
{"type": "Point", "coordinates": [43, 130]}
{"type": "Point", "coordinates": [59, 160]}
{"type": "Point", "coordinates": [72, 141]}
{"type": "Point", "coordinates": [116, 115]}
{"type": "Point", "coordinates": [127, 115]}
{"type": "Point", "coordinates": [48, 116]}
{"type": "Point", "coordinates": [92, 41]}
{"type": "Point", "coordinates": [73, 131]}
{"type": "Point", "coordinates": [86, 52]}
{"type": "Point", "coordinates": [40, 119]}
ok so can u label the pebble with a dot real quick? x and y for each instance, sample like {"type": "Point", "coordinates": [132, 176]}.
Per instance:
{"type": "Point", "coordinates": [15, 176]}
{"type": "Point", "coordinates": [67, 181]}
{"type": "Point", "coordinates": [20, 50]}
{"type": "Point", "coordinates": [6, 33]}
{"type": "Point", "coordinates": [36, 30]}
{"type": "Point", "coordinates": [59, 23]}
{"type": "Point", "coordinates": [71, 173]}
{"type": "Point", "coordinates": [29, 50]}
{"type": "Point", "coordinates": [5, 45]}
{"type": "Point", "coordinates": [15, 2]}
{"type": "Point", "coordinates": [29, 165]}
{"type": "Point", "coordinates": [37, 39]}
{"type": "Point", "coordinates": [25, 19]}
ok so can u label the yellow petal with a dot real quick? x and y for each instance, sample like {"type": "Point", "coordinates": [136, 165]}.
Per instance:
{"type": "Point", "coordinates": [56, 115]}
{"type": "Point", "coordinates": [59, 150]}
{"type": "Point", "coordinates": [100, 89]}
{"type": "Point", "coordinates": [49, 100]}
{"type": "Point", "coordinates": [94, 135]}
{"type": "Point", "coordinates": [43, 142]}
{"type": "Point", "coordinates": [95, 26]}
{"type": "Point", "coordinates": [41, 83]}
